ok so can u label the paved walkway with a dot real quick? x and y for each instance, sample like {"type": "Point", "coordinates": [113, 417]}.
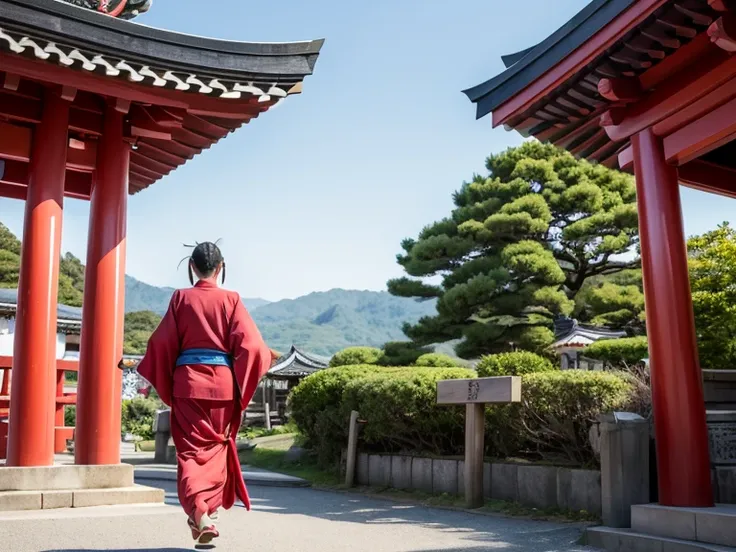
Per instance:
{"type": "Point", "coordinates": [286, 519]}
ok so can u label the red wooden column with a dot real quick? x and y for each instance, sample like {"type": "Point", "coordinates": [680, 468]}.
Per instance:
{"type": "Point", "coordinates": [31, 430]}
{"type": "Point", "coordinates": [683, 462]}
{"type": "Point", "coordinates": [97, 435]}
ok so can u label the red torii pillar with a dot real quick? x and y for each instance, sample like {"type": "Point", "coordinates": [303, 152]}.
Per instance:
{"type": "Point", "coordinates": [683, 462]}
{"type": "Point", "coordinates": [31, 429]}
{"type": "Point", "coordinates": [97, 435]}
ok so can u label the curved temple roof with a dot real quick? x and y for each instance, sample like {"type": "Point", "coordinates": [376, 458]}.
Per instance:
{"type": "Point", "coordinates": [206, 87]}
{"type": "Point", "coordinates": [550, 90]}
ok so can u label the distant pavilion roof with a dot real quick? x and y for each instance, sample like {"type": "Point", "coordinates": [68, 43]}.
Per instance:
{"type": "Point", "coordinates": [187, 92]}
{"type": "Point", "coordinates": [606, 39]}
{"type": "Point", "coordinates": [297, 364]}
{"type": "Point", "coordinates": [69, 319]}
{"type": "Point", "coordinates": [570, 333]}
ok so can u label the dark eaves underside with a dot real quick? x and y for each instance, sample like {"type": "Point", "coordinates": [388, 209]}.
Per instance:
{"type": "Point", "coordinates": [526, 66]}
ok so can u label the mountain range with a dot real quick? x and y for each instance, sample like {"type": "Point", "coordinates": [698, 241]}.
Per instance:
{"type": "Point", "coordinates": [320, 322]}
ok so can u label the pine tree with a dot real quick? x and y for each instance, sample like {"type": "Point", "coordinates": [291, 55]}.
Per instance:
{"type": "Point", "coordinates": [517, 248]}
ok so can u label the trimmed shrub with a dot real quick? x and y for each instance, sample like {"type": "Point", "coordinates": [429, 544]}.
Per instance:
{"type": "Point", "coordinates": [353, 356]}
{"type": "Point", "coordinates": [436, 360]}
{"type": "Point", "coordinates": [401, 410]}
{"type": "Point", "coordinates": [316, 408]}
{"type": "Point", "coordinates": [138, 415]}
{"type": "Point", "coordinates": [559, 407]}
{"type": "Point", "coordinates": [513, 364]}
{"type": "Point", "coordinates": [402, 353]}
{"type": "Point", "coordinates": [402, 415]}
{"type": "Point", "coordinates": [627, 351]}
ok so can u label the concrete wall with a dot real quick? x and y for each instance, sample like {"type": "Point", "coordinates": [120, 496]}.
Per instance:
{"type": "Point", "coordinates": [530, 485]}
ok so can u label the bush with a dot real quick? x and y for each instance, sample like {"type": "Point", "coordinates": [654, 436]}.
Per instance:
{"type": "Point", "coordinates": [627, 351]}
{"type": "Point", "coordinates": [402, 353]}
{"type": "Point", "coordinates": [353, 356]}
{"type": "Point", "coordinates": [559, 407]}
{"type": "Point", "coordinates": [513, 364]}
{"type": "Point", "coordinates": [436, 360]}
{"type": "Point", "coordinates": [70, 416]}
{"type": "Point", "coordinates": [316, 406]}
{"type": "Point", "coordinates": [402, 415]}
{"type": "Point", "coordinates": [138, 415]}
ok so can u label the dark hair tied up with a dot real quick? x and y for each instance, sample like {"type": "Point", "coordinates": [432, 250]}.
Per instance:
{"type": "Point", "coordinates": [206, 257]}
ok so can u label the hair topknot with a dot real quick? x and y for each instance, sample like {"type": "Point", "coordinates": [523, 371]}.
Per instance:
{"type": "Point", "coordinates": [206, 257]}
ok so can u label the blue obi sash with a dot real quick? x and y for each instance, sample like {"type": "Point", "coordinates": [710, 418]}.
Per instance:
{"type": "Point", "coordinates": [211, 357]}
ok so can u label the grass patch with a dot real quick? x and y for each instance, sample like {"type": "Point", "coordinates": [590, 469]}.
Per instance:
{"type": "Point", "coordinates": [276, 460]}
{"type": "Point", "coordinates": [145, 446]}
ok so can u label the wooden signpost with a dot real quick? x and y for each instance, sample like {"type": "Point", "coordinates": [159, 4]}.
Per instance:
{"type": "Point", "coordinates": [475, 394]}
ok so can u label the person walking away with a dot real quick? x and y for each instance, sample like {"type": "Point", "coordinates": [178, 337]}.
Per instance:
{"type": "Point", "coordinates": [205, 360]}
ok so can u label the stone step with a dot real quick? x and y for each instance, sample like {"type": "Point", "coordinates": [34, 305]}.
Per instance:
{"type": "Point", "coordinates": [715, 525]}
{"type": "Point", "coordinates": [66, 477]}
{"type": "Point", "coordinates": [79, 498]}
{"type": "Point", "coordinates": [627, 540]}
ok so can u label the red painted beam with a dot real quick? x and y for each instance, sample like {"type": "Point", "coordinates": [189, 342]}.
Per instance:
{"type": "Point", "coordinates": [77, 184]}
{"type": "Point", "coordinates": [626, 158]}
{"type": "Point", "coordinates": [142, 125]}
{"type": "Point", "coordinates": [242, 109]}
{"type": "Point", "coordinates": [676, 93]}
{"type": "Point", "coordinates": [702, 135]}
{"type": "Point", "coordinates": [160, 155]}
{"type": "Point", "coordinates": [11, 191]}
{"type": "Point", "coordinates": [576, 61]}
{"type": "Point", "coordinates": [708, 177]}
{"type": "Point", "coordinates": [15, 142]}
{"type": "Point", "coordinates": [722, 32]}
{"type": "Point", "coordinates": [625, 90]}
{"type": "Point", "coordinates": [151, 164]}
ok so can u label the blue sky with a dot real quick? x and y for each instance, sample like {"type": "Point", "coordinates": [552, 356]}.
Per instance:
{"type": "Point", "coordinates": [319, 193]}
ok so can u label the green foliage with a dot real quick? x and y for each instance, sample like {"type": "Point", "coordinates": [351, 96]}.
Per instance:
{"type": "Point", "coordinates": [713, 283]}
{"type": "Point", "coordinates": [353, 356]}
{"type": "Point", "coordinates": [402, 415]}
{"type": "Point", "coordinates": [316, 407]}
{"type": "Point", "coordinates": [615, 301]}
{"type": "Point", "coordinates": [70, 416]}
{"type": "Point", "coordinates": [436, 360]}
{"type": "Point", "coordinates": [513, 364]}
{"type": "Point", "coordinates": [71, 281]}
{"type": "Point", "coordinates": [402, 353]}
{"type": "Point", "coordinates": [627, 351]}
{"type": "Point", "coordinates": [558, 408]}
{"type": "Point", "coordinates": [9, 258]}
{"type": "Point", "coordinates": [138, 415]}
{"type": "Point", "coordinates": [138, 329]}
{"type": "Point", "coordinates": [517, 248]}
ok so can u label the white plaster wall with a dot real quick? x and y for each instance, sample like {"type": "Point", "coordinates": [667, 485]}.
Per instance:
{"type": "Point", "coordinates": [7, 331]}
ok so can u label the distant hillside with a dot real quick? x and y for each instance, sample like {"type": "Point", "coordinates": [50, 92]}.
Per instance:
{"type": "Point", "coordinates": [140, 296]}
{"type": "Point", "coordinates": [325, 322]}
{"type": "Point", "coordinates": [321, 323]}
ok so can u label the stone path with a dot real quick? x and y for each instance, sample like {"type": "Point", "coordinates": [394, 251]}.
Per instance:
{"type": "Point", "coordinates": [285, 519]}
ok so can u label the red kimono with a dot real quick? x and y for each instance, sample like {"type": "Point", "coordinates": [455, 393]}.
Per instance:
{"type": "Point", "coordinates": [206, 401]}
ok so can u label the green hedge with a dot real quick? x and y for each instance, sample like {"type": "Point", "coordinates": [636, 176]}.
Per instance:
{"type": "Point", "coordinates": [619, 353]}
{"type": "Point", "coordinates": [353, 356]}
{"type": "Point", "coordinates": [437, 360]}
{"type": "Point", "coordinates": [138, 415]}
{"type": "Point", "coordinates": [513, 364]}
{"type": "Point", "coordinates": [399, 406]}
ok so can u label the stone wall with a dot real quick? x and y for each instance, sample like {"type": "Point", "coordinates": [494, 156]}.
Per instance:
{"type": "Point", "coordinates": [530, 485]}
{"type": "Point", "coordinates": [719, 388]}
